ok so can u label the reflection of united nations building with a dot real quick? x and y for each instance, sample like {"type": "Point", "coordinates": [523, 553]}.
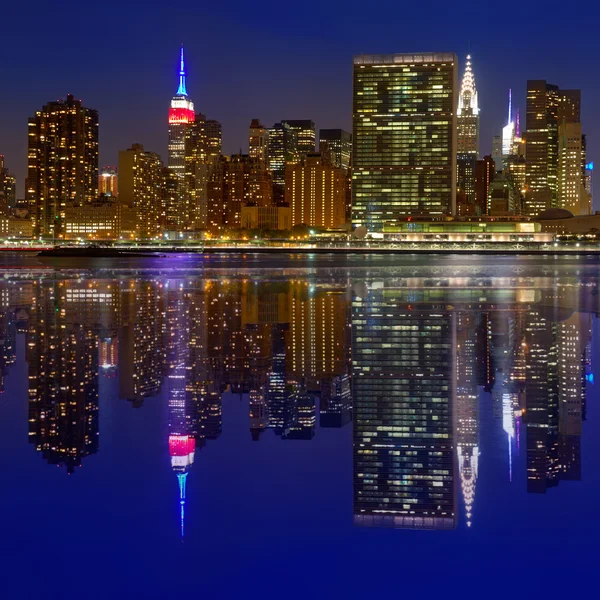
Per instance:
{"type": "Point", "coordinates": [403, 379]}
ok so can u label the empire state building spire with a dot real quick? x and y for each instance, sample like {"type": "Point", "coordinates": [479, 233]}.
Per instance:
{"type": "Point", "coordinates": [181, 90]}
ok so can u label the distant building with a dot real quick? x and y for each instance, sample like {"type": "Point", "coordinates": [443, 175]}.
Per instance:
{"type": "Point", "coordinates": [258, 141]}
{"type": "Point", "coordinates": [100, 220]}
{"type": "Point", "coordinates": [572, 194]}
{"type": "Point", "coordinates": [547, 108]}
{"type": "Point", "coordinates": [468, 138]}
{"type": "Point", "coordinates": [339, 143]}
{"type": "Point", "coordinates": [485, 170]}
{"type": "Point", "coordinates": [315, 191]}
{"type": "Point", "coordinates": [108, 182]}
{"type": "Point", "coordinates": [404, 160]}
{"type": "Point", "coordinates": [141, 185]}
{"type": "Point", "coordinates": [62, 162]}
{"type": "Point", "coordinates": [283, 150]}
{"type": "Point", "coordinates": [305, 133]}
{"type": "Point", "coordinates": [497, 152]}
{"type": "Point", "coordinates": [8, 190]}
{"type": "Point", "coordinates": [181, 115]}
{"type": "Point", "coordinates": [266, 217]}
{"type": "Point", "coordinates": [501, 197]}
{"type": "Point", "coordinates": [16, 228]}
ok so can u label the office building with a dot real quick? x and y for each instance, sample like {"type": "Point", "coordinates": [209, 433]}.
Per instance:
{"type": "Point", "coordinates": [339, 143]}
{"type": "Point", "coordinates": [258, 141]}
{"type": "Point", "coordinates": [203, 146]}
{"type": "Point", "coordinates": [404, 137]}
{"type": "Point", "coordinates": [8, 191]}
{"type": "Point", "coordinates": [485, 170]}
{"type": "Point", "coordinates": [467, 118]}
{"type": "Point", "coordinates": [305, 135]}
{"type": "Point", "coordinates": [141, 185]}
{"type": "Point", "coordinates": [497, 152]}
{"type": "Point", "coordinates": [100, 220]}
{"type": "Point", "coordinates": [548, 107]}
{"type": "Point", "coordinates": [181, 115]}
{"type": "Point", "coordinates": [315, 191]}
{"type": "Point", "coordinates": [108, 182]}
{"type": "Point", "coordinates": [283, 150]}
{"type": "Point", "coordinates": [62, 166]}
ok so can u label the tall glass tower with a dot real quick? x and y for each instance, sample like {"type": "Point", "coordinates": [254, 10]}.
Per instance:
{"type": "Point", "coordinates": [404, 137]}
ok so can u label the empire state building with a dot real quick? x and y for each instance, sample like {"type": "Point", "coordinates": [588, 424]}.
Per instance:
{"type": "Point", "coordinates": [181, 115]}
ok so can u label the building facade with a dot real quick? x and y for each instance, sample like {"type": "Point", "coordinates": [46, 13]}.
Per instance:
{"type": "Point", "coordinates": [258, 141]}
{"type": "Point", "coordinates": [108, 182]}
{"type": "Point", "coordinates": [181, 115]}
{"type": "Point", "coordinates": [339, 143]}
{"type": "Point", "coordinates": [141, 185]}
{"type": "Point", "coordinates": [62, 164]}
{"type": "Point", "coordinates": [8, 189]}
{"type": "Point", "coordinates": [404, 137]}
{"type": "Point", "coordinates": [467, 118]}
{"type": "Point", "coordinates": [315, 191]}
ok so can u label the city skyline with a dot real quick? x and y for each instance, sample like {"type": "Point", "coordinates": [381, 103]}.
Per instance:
{"type": "Point", "coordinates": [310, 88]}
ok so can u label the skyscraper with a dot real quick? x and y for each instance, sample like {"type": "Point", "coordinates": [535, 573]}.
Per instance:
{"type": "Point", "coordinates": [485, 169]}
{"type": "Point", "coordinates": [62, 164]}
{"type": "Point", "coordinates": [467, 118]}
{"type": "Point", "coordinates": [541, 146]}
{"type": "Point", "coordinates": [283, 149]}
{"type": "Point", "coordinates": [141, 184]}
{"type": "Point", "coordinates": [7, 189]}
{"type": "Point", "coordinates": [404, 137]}
{"type": "Point", "coordinates": [181, 114]}
{"type": "Point", "coordinates": [107, 182]}
{"type": "Point", "coordinates": [258, 141]}
{"type": "Point", "coordinates": [339, 143]}
{"type": "Point", "coordinates": [305, 133]}
{"type": "Point", "coordinates": [203, 145]}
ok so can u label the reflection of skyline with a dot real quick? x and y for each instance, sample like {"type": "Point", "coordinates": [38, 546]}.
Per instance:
{"type": "Point", "coordinates": [285, 348]}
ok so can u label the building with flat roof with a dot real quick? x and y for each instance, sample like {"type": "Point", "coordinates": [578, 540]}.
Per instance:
{"type": "Point", "coordinates": [404, 137]}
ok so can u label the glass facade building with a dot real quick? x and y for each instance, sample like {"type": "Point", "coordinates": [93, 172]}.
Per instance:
{"type": "Point", "coordinates": [404, 137]}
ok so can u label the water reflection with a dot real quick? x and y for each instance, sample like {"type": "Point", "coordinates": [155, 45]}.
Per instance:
{"type": "Point", "coordinates": [410, 359]}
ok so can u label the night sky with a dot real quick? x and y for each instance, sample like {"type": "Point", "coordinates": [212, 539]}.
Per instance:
{"type": "Point", "coordinates": [272, 60]}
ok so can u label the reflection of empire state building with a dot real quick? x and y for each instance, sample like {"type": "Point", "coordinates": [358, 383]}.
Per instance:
{"type": "Point", "coordinates": [403, 377]}
{"type": "Point", "coordinates": [182, 443]}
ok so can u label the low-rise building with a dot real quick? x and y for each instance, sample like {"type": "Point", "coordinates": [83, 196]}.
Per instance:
{"type": "Point", "coordinates": [266, 217]}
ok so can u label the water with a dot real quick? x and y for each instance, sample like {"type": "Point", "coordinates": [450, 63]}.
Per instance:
{"type": "Point", "coordinates": [298, 426]}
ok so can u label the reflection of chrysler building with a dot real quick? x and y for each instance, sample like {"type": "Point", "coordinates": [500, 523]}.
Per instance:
{"type": "Point", "coordinates": [467, 408]}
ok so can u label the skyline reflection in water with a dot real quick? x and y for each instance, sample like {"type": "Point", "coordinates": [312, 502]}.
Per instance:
{"type": "Point", "coordinates": [419, 370]}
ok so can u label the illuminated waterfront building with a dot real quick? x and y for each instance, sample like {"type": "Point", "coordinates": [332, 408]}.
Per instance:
{"type": "Point", "coordinates": [404, 160]}
{"type": "Point", "coordinates": [100, 220]}
{"type": "Point", "coordinates": [62, 165]}
{"type": "Point", "coordinates": [547, 108]}
{"type": "Point", "coordinates": [258, 142]}
{"type": "Point", "coordinates": [141, 189]}
{"type": "Point", "coordinates": [8, 198]}
{"type": "Point", "coordinates": [181, 115]}
{"type": "Point", "coordinates": [572, 194]}
{"type": "Point", "coordinates": [403, 378]}
{"type": "Point", "coordinates": [339, 143]}
{"type": "Point", "coordinates": [315, 191]}
{"type": "Point", "coordinates": [108, 181]}
{"type": "Point", "coordinates": [467, 119]}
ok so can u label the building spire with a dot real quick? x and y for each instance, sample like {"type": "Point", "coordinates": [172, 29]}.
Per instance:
{"type": "Point", "coordinates": [182, 479]}
{"type": "Point", "coordinates": [181, 90]}
{"type": "Point", "coordinates": [467, 99]}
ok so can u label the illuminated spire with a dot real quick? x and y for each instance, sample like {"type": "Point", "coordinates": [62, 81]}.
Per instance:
{"type": "Point", "coordinates": [182, 479]}
{"type": "Point", "coordinates": [468, 92]}
{"type": "Point", "coordinates": [509, 107]}
{"type": "Point", "coordinates": [181, 90]}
